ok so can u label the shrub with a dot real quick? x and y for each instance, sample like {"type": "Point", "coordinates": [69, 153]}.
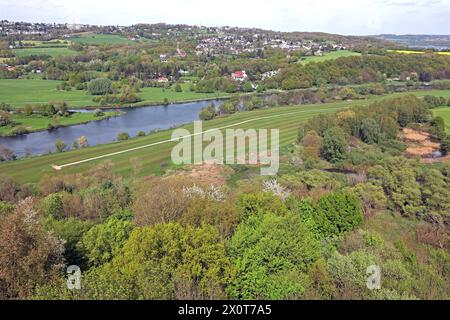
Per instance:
{"type": "Point", "coordinates": [98, 113]}
{"type": "Point", "coordinates": [123, 136]}
{"type": "Point", "coordinates": [60, 146]}
{"type": "Point", "coordinates": [334, 144]}
{"type": "Point", "coordinates": [336, 213]}
{"type": "Point", "coordinates": [99, 86]}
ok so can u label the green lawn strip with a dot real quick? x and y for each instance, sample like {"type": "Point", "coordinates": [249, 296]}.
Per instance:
{"type": "Point", "coordinates": [51, 51]}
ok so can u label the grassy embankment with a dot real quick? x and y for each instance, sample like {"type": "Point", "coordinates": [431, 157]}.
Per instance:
{"type": "Point", "coordinates": [155, 158]}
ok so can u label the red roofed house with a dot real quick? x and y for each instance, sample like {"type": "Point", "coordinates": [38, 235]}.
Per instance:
{"type": "Point", "coordinates": [239, 75]}
{"type": "Point", "coordinates": [163, 79]}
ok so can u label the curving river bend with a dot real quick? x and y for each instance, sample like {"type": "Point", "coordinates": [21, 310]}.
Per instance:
{"type": "Point", "coordinates": [131, 121]}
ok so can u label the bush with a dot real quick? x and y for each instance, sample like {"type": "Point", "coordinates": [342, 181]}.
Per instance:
{"type": "Point", "coordinates": [99, 86]}
{"type": "Point", "coordinates": [103, 241]}
{"type": "Point", "coordinates": [123, 136]}
{"type": "Point", "coordinates": [207, 113]}
{"type": "Point", "coordinates": [52, 205]}
{"type": "Point", "coordinates": [60, 146]}
{"type": "Point", "coordinates": [334, 144]}
{"type": "Point", "coordinates": [336, 213]}
{"type": "Point", "coordinates": [5, 118]}
{"type": "Point", "coordinates": [98, 113]}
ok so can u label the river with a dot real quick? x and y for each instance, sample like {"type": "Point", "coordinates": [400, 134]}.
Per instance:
{"type": "Point", "coordinates": [132, 121]}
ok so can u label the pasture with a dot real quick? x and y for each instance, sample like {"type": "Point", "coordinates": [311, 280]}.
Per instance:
{"type": "Point", "coordinates": [20, 92]}
{"type": "Point", "coordinates": [101, 39]}
{"type": "Point", "coordinates": [329, 56]}
{"type": "Point", "coordinates": [50, 51]}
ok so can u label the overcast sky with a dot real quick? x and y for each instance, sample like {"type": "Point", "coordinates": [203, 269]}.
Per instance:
{"type": "Point", "coordinates": [333, 16]}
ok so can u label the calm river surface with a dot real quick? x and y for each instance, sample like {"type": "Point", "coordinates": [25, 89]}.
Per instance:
{"type": "Point", "coordinates": [132, 121]}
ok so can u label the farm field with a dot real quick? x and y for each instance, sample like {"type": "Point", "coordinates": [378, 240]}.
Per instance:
{"type": "Point", "coordinates": [330, 56]}
{"type": "Point", "coordinates": [155, 157]}
{"type": "Point", "coordinates": [20, 92]}
{"type": "Point", "coordinates": [99, 39]}
{"type": "Point", "coordinates": [37, 123]}
{"type": "Point", "coordinates": [53, 51]}
{"type": "Point", "coordinates": [417, 52]}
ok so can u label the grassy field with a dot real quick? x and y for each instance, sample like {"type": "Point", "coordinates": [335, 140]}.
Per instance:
{"type": "Point", "coordinates": [443, 112]}
{"type": "Point", "coordinates": [19, 92]}
{"type": "Point", "coordinates": [329, 56]}
{"type": "Point", "coordinates": [37, 123]}
{"type": "Point", "coordinates": [99, 39]}
{"type": "Point", "coordinates": [154, 158]}
{"type": "Point", "coordinates": [417, 52]}
{"type": "Point", "coordinates": [154, 95]}
{"type": "Point", "coordinates": [54, 52]}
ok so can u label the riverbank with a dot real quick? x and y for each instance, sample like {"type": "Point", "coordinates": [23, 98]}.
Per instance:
{"type": "Point", "coordinates": [35, 123]}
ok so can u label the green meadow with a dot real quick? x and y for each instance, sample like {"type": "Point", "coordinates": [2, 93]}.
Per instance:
{"type": "Point", "coordinates": [51, 51]}
{"type": "Point", "coordinates": [99, 39]}
{"type": "Point", "coordinates": [20, 92]}
{"type": "Point", "coordinates": [155, 158]}
{"type": "Point", "coordinates": [329, 56]}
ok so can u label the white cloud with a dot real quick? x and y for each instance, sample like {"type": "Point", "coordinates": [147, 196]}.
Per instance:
{"type": "Point", "coordinates": [345, 17]}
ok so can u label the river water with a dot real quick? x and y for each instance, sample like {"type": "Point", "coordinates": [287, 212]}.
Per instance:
{"type": "Point", "coordinates": [104, 131]}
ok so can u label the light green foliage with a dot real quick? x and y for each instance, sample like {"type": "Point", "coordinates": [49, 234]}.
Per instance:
{"type": "Point", "coordinates": [336, 213]}
{"type": "Point", "coordinates": [398, 177]}
{"type": "Point", "coordinates": [334, 144]}
{"type": "Point", "coordinates": [103, 241]}
{"type": "Point", "coordinates": [370, 131]}
{"type": "Point", "coordinates": [52, 205]}
{"type": "Point", "coordinates": [207, 113]}
{"type": "Point", "coordinates": [291, 247]}
{"type": "Point", "coordinates": [71, 230]}
{"type": "Point", "coordinates": [263, 202]}
{"type": "Point", "coordinates": [99, 86]}
{"type": "Point", "coordinates": [435, 191]}
{"type": "Point", "coordinates": [165, 262]}
{"type": "Point", "coordinates": [123, 136]}
{"type": "Point", "coordinates": [371, 196]}
{"type": "Point", "coordinates": [5, 208]}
